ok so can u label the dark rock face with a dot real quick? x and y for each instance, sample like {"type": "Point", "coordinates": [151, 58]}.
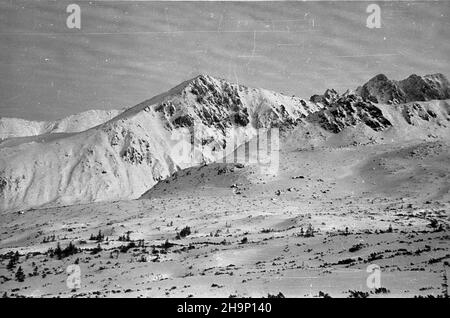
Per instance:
{"type": "Point", "coordinates": [167, 108]}
{"type": "Point", "coordinates": [183, 121]}
{"type": "Point", "coordinates": [349, 110]}
{"type": "Point", "coordinates": [135, 150]}
{"type": "Point", "coordinates": [218, 101]}
{"type": "Point", "coordinates": [241, 118]}
{"type": "Point", "coordinates": [3, 183]}
{"type": "Point", "coordinates": [380, 89]}
{"type": "Point", "coordinates": [418, 88]}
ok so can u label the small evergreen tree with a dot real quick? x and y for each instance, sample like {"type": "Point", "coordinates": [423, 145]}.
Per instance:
{"type": "Point", "coordinates": [11, 264]}
{"type": "Point", "coordinates": [58, 251]}
{"type": "Point", "coordinates": [99, 237]}
{"type": "Point", "coordinates": [167, 244]}
{"type": "Point", "coordinates": [20, 276]}
{"type": "Point", "coordinates": [69, 250]}
{"type": "Point", "coordinates": [389, 230]}
{"type": "Point", "coordinates": [13, 260]}
{"type": "Point", "coordinates": [35, 271]}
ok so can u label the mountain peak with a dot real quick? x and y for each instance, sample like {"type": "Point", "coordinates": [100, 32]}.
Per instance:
{"type": "Point", "coordinates": [205, 78]}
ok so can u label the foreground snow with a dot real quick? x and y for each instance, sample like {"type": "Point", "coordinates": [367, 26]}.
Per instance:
{"type": "Point", "coordinates": [383, 205]}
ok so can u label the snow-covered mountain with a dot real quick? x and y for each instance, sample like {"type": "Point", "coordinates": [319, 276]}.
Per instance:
{"type": "Point", "coordinates": [380, 89]}
{"type": "Point", "coordinates": [125, 156]}
{"type": "Point", "coordinates": [17, 127]}
{"type": "Point", "coordinates": [199, 121]}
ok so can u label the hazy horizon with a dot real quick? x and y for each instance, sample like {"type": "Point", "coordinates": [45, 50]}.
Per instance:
{"type": "Point", "coordinates": [127, 52]}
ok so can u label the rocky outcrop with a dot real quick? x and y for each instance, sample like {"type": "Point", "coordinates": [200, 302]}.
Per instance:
{"type": "Point", "coordinates": [328, 98]}
{"type": "Point", "coordinates": [347, 110]}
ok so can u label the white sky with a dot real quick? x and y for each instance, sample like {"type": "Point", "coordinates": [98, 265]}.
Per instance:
{"type": "Point", "coordinates": [127, 52]}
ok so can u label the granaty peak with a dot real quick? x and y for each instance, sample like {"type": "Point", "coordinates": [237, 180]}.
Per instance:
{"type": "Point", "coordinates": [214, 90]}
{"type": "Point", "coordinates": [380, 89]}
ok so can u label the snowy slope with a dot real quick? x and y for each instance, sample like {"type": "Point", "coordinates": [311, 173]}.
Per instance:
{"type": "Point", "coordinates": [127, 155]}
{"type": "Point", "coordinates": [17, 127]}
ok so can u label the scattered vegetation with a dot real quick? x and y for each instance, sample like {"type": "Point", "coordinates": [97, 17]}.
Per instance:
{"type": "Point", "coordinates": [444, 285]}
{"type": "Point", "coordinates": [308, 233]}
{"type": "Point", "coordinates": [62, 253]}
{"type": "Point", "coordinates": [96, 249]}
{"type": "Point", "coordinates": [356, 247]}
{"type": "Point", "coordinates": [374, 256]}
{"type": "Point", "coordinates": [345, 261]}
{"type": "Point", "coordinates": [99, 237]}
{"type": "Point", "coordinates": [434, 223]}
{"type": "Point", "coordinates": [323, 295]}
{"type": "Point", "coordinates": [381, 290]}
{"type": "Point", "coordinates": [125, 237]}
{"type": "Point", "coordinates": [48, 239]}
{"type": "Point", "coordinates": [167, 245]}
{"type": "Point", "coordinates": [389, 230]}
{"type": "Point", "coordinates": [13, 260]}
{"type": "Point", "coordinates": [358, 294]}
{"type": "Point", "coordinates": [429, 296]}
{"type": "Point", "coordinates": [125, 248]}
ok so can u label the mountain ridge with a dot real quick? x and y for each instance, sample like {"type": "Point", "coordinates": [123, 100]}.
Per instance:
{"type": "Point", "coordinates": [378, 89]}
{"type": "Point", "coordinates": [129, 153]}
{"type": "Point", "coordinates": [11, 127]}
